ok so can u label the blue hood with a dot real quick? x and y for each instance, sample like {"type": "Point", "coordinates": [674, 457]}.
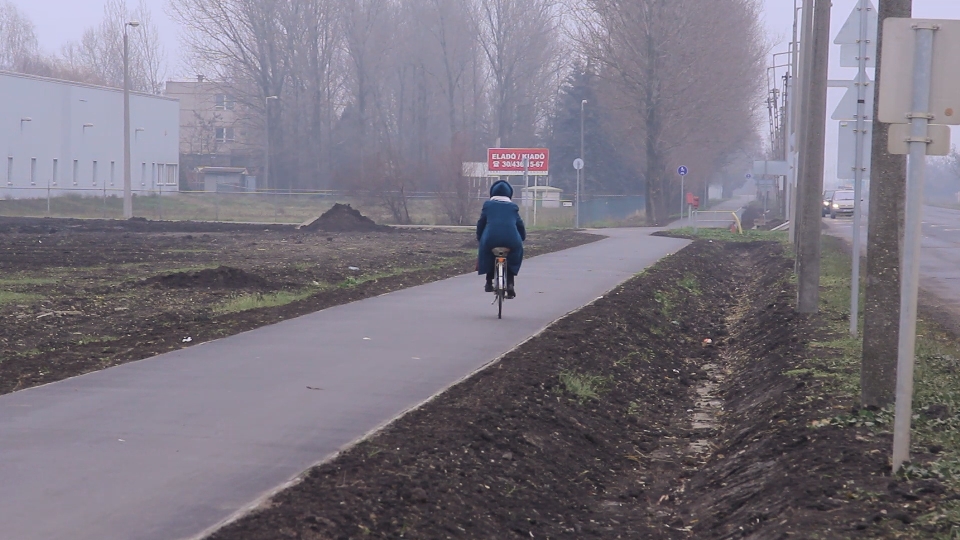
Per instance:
{"type": "Point", "coordinates": [501, 188]}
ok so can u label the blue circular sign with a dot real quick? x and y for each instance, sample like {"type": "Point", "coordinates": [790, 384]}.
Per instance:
{"type": "Point", "coordinates": [682, 170]}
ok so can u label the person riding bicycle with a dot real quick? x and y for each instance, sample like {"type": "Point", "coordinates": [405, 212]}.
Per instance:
{"type": "Point", "coordinates": [500, 225]}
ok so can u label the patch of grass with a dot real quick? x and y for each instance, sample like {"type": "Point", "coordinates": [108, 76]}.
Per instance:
{"type": "Point", "coordinates": [690, 284]}
{"type": "Point", "coordinates": [936, 402]}
{"type": "Point", "coordinates": [10, 297]}
{"type": "Point", "coordinates": [27, 281]}
{"type": "Point", "coordinates": [664, 301]}
{"type": "Point", "coordinates": [247, 302]}
{"type": "Point", "coordinates": [583, 386]}
{"type": "Point", "coordinates": [749, 235]}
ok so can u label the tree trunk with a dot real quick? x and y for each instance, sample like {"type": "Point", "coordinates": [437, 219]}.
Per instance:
{"type": "Point", "coordinates": [881, 313]}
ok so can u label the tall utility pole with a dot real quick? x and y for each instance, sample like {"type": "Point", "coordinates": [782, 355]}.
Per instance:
{"type": "Point", "coordinates": [881, 305]}
{"type": "Point", "coordinates": [793, 105]}
{"type": "Point", "coordinates": [808, 237]}
{"type": "Point", "coordinates": [127, 188]}
{"type": "Point", "coordinates": [583, 171]}
{"type": "Point", "coordinates": [266, 167]}
{"type": "Point", "coordinates": [803, 115]}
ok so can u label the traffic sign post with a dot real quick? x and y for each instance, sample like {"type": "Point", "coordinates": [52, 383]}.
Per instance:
{"type": "Point", "coordinates": [682, 171]}
{"type": "Point", "coordinates": [858, 48]}
{"type": "Point", "coordinates": [928, 94]}
{"type": "Point", "coordinates": [578, 165]}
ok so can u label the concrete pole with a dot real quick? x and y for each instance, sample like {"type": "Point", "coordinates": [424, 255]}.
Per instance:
{"type": "Point", "coordinates": [127, 188]}
{"type": "Point", "coordinates": [808, 252]}
{"type": "Point", "coordinates": [803, 113]}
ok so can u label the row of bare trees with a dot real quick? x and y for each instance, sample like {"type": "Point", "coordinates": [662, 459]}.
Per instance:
{"type": "Point", "coordinates": [682, 85]}
{"type": "Point", "coordinates": [391, 96]}
{"type": "Point", "coordinates": [97, 58]}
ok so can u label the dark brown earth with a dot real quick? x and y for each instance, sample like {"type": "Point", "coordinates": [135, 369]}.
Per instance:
{"type": "Point", "coordinates": [344, 218]}
{"type": "Point", "coordinates": [684, 437]}
{"type": "Point", "coordinates": [82, 295]}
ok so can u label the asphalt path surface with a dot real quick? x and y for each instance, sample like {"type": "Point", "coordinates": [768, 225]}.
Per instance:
{"type": "Point", "coordinates": [171, 446]}
{"type": "Point", "coordinates": [939, 250]}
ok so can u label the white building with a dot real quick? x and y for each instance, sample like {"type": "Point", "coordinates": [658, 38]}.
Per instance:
{"type": "Point", "coordinates": [67, 137]}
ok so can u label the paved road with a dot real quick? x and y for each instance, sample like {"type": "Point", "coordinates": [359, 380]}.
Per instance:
{"type": "Point", "coordinates": [939, 250]}
{"type": "Point", "coordinates": [170, 446]}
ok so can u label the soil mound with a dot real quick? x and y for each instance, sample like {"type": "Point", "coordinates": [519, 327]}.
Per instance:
{"type": "Point", "coordinates": [344, 218]}
{"type": "Point", "coordinates": [223, 277]}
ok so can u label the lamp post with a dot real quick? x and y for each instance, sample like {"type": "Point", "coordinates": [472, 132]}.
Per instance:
{"type": "Point", "coordinates": [581, 175]}
{"type": "Point", "coordinates": [127, 192]}
{"type": "Point", "coordinates": [266, 168]}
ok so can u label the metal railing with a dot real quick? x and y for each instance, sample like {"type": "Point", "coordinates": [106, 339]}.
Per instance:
{"type": "Point", "coordinates": [697, 219]}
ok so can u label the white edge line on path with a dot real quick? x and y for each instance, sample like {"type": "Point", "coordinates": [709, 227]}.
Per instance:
{"type": "Point", "coordinates": [261, 501]}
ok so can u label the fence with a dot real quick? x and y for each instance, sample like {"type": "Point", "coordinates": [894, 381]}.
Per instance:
{"type": "Point", "coordinates": [284, 206]}
{"type": "Point", "coordinates": [701, 218]}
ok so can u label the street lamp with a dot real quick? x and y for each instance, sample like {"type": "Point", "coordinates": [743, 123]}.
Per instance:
{"type": "Point", "coordinates": [266, 168]}
{"type": "Point", "coordinates": [581, 175]}
{"type": "Point", "coordinates": [127, 192]}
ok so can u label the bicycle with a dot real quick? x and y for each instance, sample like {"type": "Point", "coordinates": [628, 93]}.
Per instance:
{"type": "Point", "coordinates": [500, 278]}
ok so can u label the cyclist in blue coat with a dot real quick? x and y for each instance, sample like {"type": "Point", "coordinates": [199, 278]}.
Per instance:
{"type": "Point", "coordinates": [500, 225]}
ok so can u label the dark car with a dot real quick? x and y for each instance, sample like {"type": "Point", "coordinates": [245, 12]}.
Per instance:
{"type": "Point", "coordinates": [827, 201]}
{"type": "Point", "coordinates": [841, 204]}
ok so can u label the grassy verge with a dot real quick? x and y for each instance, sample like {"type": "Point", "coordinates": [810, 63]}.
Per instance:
{"type": "Point", "coordinates": [724, 234]}
{"type": "Point", "coordinates": [936, 403]}
{"type": "Point", "coordinates": [246, 302]}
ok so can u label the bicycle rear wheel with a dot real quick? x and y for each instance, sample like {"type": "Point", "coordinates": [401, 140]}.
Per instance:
{"type": "Point", "coordinates": [501, 287]}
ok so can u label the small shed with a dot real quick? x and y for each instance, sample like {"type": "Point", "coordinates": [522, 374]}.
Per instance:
{"type": "Point", "coordinates": [544, 196]}
{"type": "Point", "coordinates": [230, 179]}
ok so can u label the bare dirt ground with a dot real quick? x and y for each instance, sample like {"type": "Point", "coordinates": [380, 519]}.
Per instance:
{"type": "Point", "coordinates": [82, 295]}
{"type": "Point", "coordinates": [671, 408]}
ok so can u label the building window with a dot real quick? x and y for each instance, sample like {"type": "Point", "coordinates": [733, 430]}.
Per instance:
{"type": "Point", "coordinates": [172, 178]}
{"type": "Point", "coordinates": [76, 172]}
{"type": "Point", "coordinates": [143, 174]}
{"type": "Point", "coordinates": [56, 170]}
{"type": "Point", "coordinates": [225, 102]}
{"type": "Point", "coordinates": [113, 172]}
{"type": "Point", "coordinates": [33, 171]}
{"type": "Point", "coordinates": [225, 135]}
{"type": "Point", "coordinates": [94, 172]}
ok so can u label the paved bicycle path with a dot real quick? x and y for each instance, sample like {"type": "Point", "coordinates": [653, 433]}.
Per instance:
{"type": "Point", "coordinates": [170, 446]}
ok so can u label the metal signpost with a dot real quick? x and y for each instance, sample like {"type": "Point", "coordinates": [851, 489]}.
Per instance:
{"type": "Point", "coordinates": [578, 165]}
{"type": "Point", "coordinates": [526, 187]}
{"type": "Point", "coordinates": [922, 87]}
{"type": "Point", "coordinates": [682, 171]}
{"type": "Point", "coordinates": [858, 48]}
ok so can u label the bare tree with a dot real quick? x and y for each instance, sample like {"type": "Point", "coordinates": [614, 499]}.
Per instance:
{"type": "Point", "coordinates": [18, 40]}
{"type": "Point", "coordinates": [520, 41]}
{"type": "Point", "coordinates": [684, 76]}
{"type": "Point", "coordinates": [99, 52]}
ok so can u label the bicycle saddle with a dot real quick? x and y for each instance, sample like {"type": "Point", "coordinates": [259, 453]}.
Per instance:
{"type": "Point", "coordinates": [500, 251]}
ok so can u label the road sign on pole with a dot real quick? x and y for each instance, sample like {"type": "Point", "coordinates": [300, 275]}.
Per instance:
{"type": "Point", "coordinates": [850, 37]}
{"type": "Point", "coordinates": [682, 171]}
{"type": "Point", "coordinates": [578, 164]}
{"type": "Point", "coordinates": [896, 88]}
{"type": "Point", "coordinates": [927, 95]}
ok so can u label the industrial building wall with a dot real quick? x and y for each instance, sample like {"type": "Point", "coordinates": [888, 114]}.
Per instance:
{"type": "Point", "coordinates": [68, 138]}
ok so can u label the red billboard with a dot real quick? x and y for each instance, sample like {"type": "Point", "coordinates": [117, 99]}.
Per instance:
{"type": "Point", "coordinates": [509, 161]}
